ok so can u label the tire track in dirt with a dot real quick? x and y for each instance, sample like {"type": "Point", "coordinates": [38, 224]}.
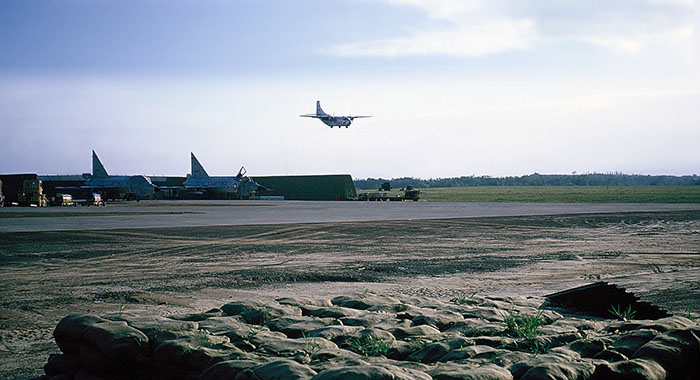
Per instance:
{"type": "Point", "coordinates": [46, 276]}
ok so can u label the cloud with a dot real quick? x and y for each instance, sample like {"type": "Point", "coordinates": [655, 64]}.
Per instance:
{"type": "Point", "coordinates": [615, 43]}
{"type": "Point", "coordinates": [459, 28]}
{"type": "Point", "coordinates": [443, 9]}
{"type": "Point", "coordinates": [478, 28]}
{"type": "Point", "coordinates": [654, 26]}
{"type": "Point", "coordinates": [473, 40]}
{"type": "Point", "coordinates": [681, 3]}
{"type": "Point", "coordinates": [635, 41]}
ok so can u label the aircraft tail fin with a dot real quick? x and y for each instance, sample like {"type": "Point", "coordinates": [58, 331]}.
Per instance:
{"type": "Point", "coordinates": [98, 170]}
{"type": "Point", "coordinates": [319, 110]}
{"type": "Point", "coordinates": [241, 173]}
{"type": "Point", "coordinates": [197, 168]}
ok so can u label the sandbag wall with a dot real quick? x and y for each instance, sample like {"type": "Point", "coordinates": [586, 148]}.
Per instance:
{"type": "Point", "coordinates": [369, 336]}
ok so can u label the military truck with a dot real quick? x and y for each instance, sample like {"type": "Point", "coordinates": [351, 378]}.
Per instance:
{"type": "Point", "coordinates": [386, 186]}
{"type": "Point", "coordinates": [31, 194]}
{"type": "Point", "coordinates": [63, 200]}
{"type": "Point", "coordinates": [95, 200]}
{"type": "Point", "coordinates": [409, 194]}
{"type": "Point", "coordinates": [379, 196]}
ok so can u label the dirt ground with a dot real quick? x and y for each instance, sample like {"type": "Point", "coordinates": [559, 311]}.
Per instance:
{"type": "Point", "coordinates": [46, 276]}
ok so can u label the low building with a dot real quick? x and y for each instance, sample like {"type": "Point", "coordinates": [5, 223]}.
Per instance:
{"type": "Point", "coordinates": [13, 185]}
{"type": "Point", "coordinates": [336, 187]}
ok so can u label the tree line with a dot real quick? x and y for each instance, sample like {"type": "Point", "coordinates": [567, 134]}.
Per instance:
{"type": "Point", "coordinates": [536, 179]}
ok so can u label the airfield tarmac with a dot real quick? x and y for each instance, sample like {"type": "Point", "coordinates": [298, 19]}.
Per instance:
{"type": "Point", "coordinates": [168, 258]}
{"type": "Point", "coordinates": [154, 214]}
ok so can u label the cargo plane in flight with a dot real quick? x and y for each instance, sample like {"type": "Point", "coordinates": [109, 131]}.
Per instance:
{"type": "Point", "coordinates": [330, 120]}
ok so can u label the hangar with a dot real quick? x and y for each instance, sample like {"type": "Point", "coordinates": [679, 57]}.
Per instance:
{"type": "Point", "coordinates": [334, 187]}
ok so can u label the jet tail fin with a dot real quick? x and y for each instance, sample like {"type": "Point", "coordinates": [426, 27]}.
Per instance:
{"type": "Point", "coordinates": [98, 170]}
{"type": "Point", "coordinates": [319, 110]}
{"type": "Point", "coordinates": [241, 173]}
{"type": "Point", "coordinates": [197, 168]}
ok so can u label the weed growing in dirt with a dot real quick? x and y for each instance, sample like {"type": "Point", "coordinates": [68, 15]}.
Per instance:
{"type": "Point", "coordinates": [472, 331]}
{"type": "Point", "coordinates": [523, 327]}
{"type": "Point", "coordinates": [369, 346]}
{"type": "Point", "coordinates": [510, 321]}
{"type": "Point", "coordinates": [622, 314]}
{"type": "Point", "coordinates": [417, 344]}
{"type": "Point", "coordinates": [462, 299]}
{"type": "Point", "coordinates": [690, 315]}
{"type": "Point", "coordinates": [311, 347]}
{"type": "Point", "coordinates": [539, 348]}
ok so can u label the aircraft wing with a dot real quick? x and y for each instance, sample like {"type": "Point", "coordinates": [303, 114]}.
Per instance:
{"type": "Point", "coordinates": [358, 117]}
{"type": "Point", "coordinates": [314, 116]}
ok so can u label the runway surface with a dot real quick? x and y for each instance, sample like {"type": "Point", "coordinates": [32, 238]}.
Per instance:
{"type": "Point", "coordinates": [147, 214]}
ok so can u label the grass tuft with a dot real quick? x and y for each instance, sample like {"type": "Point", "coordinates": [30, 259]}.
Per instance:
{"type": "Point", "coordinates": [523, 327]}
{"type": "Point", "coordinates": [622, 314]}
{"type": "Point", "coordinates": [369, 346]}
{"type": "Point", "coordinates": [462, 299]}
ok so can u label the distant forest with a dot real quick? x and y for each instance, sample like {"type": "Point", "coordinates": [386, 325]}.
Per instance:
{"type": "Point", "coordinates": [536, 179]}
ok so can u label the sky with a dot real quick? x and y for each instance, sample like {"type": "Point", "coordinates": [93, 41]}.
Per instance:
{"type": "Point", "coordinates": [470, 87]}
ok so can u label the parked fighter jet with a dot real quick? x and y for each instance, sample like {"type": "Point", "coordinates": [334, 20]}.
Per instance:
{"type": "Point", "coordinates": [118, 186]}
{"type": "Point", "coordinates": [330, 120]}
{"type": "Point", "coordinates": [237, 187]}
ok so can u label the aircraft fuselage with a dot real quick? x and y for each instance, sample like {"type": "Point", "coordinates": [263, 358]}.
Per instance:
{"type": "Point", "coordinates": [225, 184]}
{"type": "Point", "coordinates": [130, 186]}
{"type": "Point", "coordinates": [336, 121]}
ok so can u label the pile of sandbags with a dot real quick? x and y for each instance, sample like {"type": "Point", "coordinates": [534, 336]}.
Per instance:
{"type": "Point", "coordinates": [367, 336]}
{"type": "Point", "coordinates": [94, 346]}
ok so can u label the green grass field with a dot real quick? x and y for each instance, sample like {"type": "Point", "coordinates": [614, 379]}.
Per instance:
{"type": "Point", "coordinates": [592, 194]}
